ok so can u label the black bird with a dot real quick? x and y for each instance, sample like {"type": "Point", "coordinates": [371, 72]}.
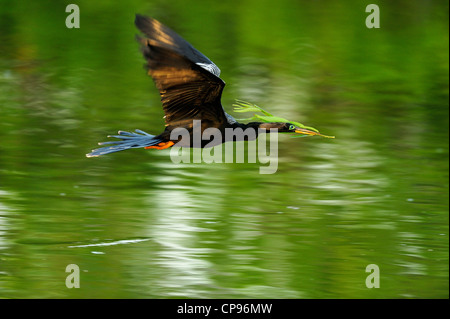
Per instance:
{"type": "Point", "coordinates": [190, 89]}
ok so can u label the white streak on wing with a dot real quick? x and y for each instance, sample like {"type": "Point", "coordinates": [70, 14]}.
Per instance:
{"type": "Point", "coordinates": [230, 119]}
{"type": "Point", "coordinates": [210, 67]}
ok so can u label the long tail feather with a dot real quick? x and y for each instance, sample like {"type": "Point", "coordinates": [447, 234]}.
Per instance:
{"type": "Point", "coordinates": [128, 140]}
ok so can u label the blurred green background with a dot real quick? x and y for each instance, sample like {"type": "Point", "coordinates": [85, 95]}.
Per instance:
{"type": "Point", "coordinates": [140, 226]}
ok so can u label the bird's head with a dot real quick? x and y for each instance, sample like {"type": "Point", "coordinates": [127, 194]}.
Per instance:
{"type": "Point", "coordinates": [267, 121]}
{"type": "Point", "coordinates": [291, 127]}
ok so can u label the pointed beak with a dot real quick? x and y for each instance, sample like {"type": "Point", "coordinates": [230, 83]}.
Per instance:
{"type": "Point", "coordinates": [310, 132]}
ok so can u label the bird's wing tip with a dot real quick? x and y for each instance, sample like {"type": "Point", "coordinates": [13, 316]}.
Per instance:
{"type": "Point", "coordinates": [141, 21]}
{"type": "Point", "coordinates": [139, 17]}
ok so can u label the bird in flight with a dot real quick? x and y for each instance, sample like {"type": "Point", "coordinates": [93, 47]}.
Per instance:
{"type": "Point", "coordinates": [191, 90]}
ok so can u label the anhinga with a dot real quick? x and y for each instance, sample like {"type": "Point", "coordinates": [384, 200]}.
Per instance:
{"type": "Point", "coordinates": [190, 89]}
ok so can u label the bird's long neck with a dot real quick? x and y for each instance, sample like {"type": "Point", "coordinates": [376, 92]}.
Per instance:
{"type": "Point", "coordinates": [254, 125]}
{"type": "Point", "coordinates": [259, 126]}
{"type": "Point", "coordinates": [247, 131]}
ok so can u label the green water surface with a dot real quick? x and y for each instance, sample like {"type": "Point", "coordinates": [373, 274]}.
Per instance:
{"type": "Point", "coordinates": [140, 226]}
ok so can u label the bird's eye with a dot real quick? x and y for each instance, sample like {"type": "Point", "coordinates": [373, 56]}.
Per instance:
{"type": "Point", "coordinates": [291, 127]}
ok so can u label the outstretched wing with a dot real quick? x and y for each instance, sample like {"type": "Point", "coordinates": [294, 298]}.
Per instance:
{"type": "Point", "coordinates": [187, 80]}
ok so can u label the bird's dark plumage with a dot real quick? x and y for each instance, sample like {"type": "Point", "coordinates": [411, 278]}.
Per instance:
{"type": "Point", "coordinates": [187, 80]}
{"type": "Point", "coordinates": [190, 90]}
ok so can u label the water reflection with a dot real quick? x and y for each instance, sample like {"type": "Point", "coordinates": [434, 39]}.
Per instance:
{"type": "Point", "coordinates": [195, 259]}
{"type": "Point", "coordinates": [7, 211]}
{"type": "Point", "coordinates": [141, 226]}
{"type": "Point", "coordinates": [186, 270]}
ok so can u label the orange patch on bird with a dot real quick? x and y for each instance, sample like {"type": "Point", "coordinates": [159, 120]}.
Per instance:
{"type": "Point", "coordinates": [161, 146]}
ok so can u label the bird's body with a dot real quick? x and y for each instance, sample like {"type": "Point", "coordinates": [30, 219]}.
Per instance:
{"type": "Point", "coordinates": [191, 90]}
